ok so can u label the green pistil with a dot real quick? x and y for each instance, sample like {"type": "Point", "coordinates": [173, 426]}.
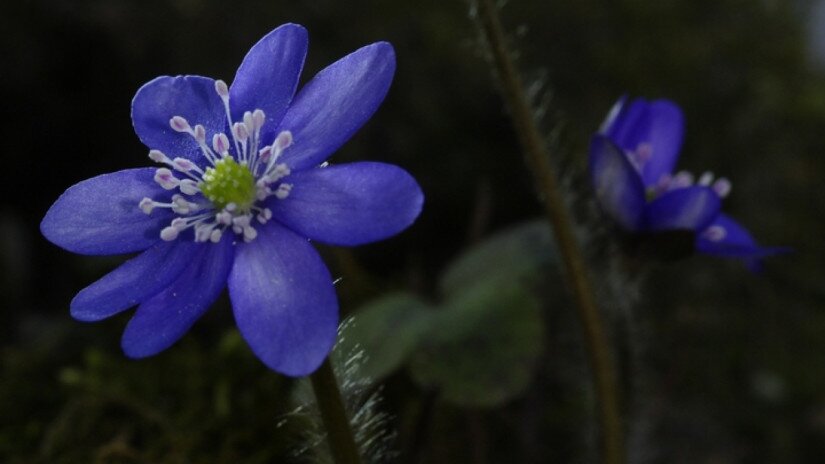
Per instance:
{"type": "Point", "coordinates": [229, 182]}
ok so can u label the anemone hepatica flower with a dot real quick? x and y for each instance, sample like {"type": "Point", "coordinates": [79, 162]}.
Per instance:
{"type": "Point", "coordinates": [632, 160]}
{"type": "Point", "coordinates": [241, 191]}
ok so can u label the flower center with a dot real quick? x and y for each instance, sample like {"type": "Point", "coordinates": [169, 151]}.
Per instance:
{"type": "Point", "coordinates": [231, 192]}
{"type": "Point", "coordinates": [229, 182]}
{"type": "Point", "coordinates": [684, 179]}
{"type": "Point", "coordinates": [643, 153]}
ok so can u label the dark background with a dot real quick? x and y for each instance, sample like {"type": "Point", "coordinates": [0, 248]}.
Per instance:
{"type": "Point", "coordinates": [733, 360]}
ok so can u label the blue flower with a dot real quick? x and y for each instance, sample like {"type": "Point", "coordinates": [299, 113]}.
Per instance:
{"type": "Point", "coordinates": [632, 159]}
{"type": "Point", "coordinates": [241, 191]}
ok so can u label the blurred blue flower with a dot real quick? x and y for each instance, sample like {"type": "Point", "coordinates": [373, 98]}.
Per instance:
{"type": "Point", "coordinates": [632, 159]}
{"type": "Point", "coordinates": [241, 192]}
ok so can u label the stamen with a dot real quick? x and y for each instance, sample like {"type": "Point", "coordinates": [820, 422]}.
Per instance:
{"type": "Point", "coordinates": [223, 92]}
{"type": "Point", "coordinates": [158, 157]}
{"type": "Point", "coordinates": [258, 118]}
{"type": "Point", "coordinates": [644, 151]}
{"type": "Point", "coordinates": [189, 187]}
{"type": "Point", "coordinates": [722, 187]}
{"type": "Point", "coordinates": [220, 142]}
{"type": "Point", "coordinates": [263, 158]}
{"type": "Point", "coordinates": [705, 179]}
{"type": "Point", "coordinates": [169, 233]}
{"type": "Point", "coordinates": [249, 234]}
{"type": "Point", "coordinates": [227, 193]}
{"type": "Point", "coordinates": [184, 165]}
{"type": "Point", "coordinates": [281, 143]}
{"type": "Point", "coordinates": [264, 215]}
{"type": "Point", "coordinates": [224, 217]}
{"type": "Point", "coordinates": [279, 171]}
{"type": "Point", "coordinates": [283, 191]}
{"type": "Point", "coordinates": [221, 89]}
{"type": "Point", "coordinates": [263, 191]}
{"type": "Point", "coordinates": [180, 223]}
{"type": "Point", "coordinates": [641, 155]}
{"type": "Point", "coordinates": [181, 205]}
{"type": "Point", "coordinates": [247, 121]}
{"type": "Point", "coordinates": [682, 179]}
{"type": "Point", "coordinates": [166, 179]}
{"type": "Point", "coordinates": [179, 124]}
{"type": "Point", "coordinates": [200, 134]}
{"type": "Point", "coordinates": [715, 233]}
{"type": "Point", "coordinates": [147, 205]}
{"type": "Point", "coordinates": [203, 232]}
{"type": "Point", "coordinates": [215, 236]}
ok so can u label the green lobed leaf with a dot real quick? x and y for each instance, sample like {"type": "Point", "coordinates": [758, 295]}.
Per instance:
{"type": "Point", "coordinates": [482, 349]}
{"type": "Point", "coordinates": [387, 330]}
{"type": "Point", "coordinates": [509, 255]}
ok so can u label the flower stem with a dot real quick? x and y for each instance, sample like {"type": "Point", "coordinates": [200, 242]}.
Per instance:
{"type": "Point", "coordinates": [538, 160]}
{"type": "Point", "coordinates": [339, 434]}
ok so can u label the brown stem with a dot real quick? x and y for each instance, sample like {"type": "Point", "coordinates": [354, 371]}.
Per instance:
{"type": "Point", "coordinates": [339, 434]}
{"type": "Point", "coordinates": [538, 160]}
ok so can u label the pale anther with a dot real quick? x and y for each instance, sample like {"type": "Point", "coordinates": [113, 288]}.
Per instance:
{"type": "Point", "coordinates": [147, 205]}
{"type": "Point", "coordinates": [215, 236]}
{"type": "Point", "coordinates": [220, 142]}
{"type": "Point", "coordinates": [221, 89]}
{"type": "Point", "coordinates": [283, 191]}
{"type": "Point", "coordinates": [169, 233]}
{"type": "Point", "coordinates": [258, 118]}
{"type": "Point", "coordinates": [200, 134]}
{"type": "Point", "coordinates": [240, 132]}
{"type": "Point", "coordinates": [189, 187]}
{"type": "Point", "coordinates": [264, 154]}
{"type": "Point", "coordinates": [682, 179]}
{"type": "Point", "coordinates": [283, 140]}
{"type": "Point", "coordinates": [166, 179]}
{"type": "Point", "coordinates": [722, 187]}
{"type": "Point", "coordinates": [183, 164]}
{"type": "Point", "coordinates": [247, 121]}
{"type": "Point", "coordinates": [158, 156]}
{"type": "Point", "coordinates": [249, 233]}
{"type": "Point", "coordinates": [715, 233]}
{"type": "Point", "coordinates": [179, 223]}
{"type": "Point", "coordinates": [179, 124]}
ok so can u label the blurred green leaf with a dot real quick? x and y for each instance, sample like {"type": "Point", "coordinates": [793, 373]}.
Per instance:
{"type": "Point", "coordinates": [388, 330]}
{"type": "Point", "coordinates": [507, 256]}
{"type": "Point", "coordinates": [483, 347]}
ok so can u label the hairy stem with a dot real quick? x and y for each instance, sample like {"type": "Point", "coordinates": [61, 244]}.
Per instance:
{"type": "Point", "coordinates": [538, 160]}
{"type": "Point", "coordinates": [339, 434]}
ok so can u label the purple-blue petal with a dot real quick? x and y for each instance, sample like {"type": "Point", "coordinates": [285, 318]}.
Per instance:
{"type": "Point", "coordinates": [101, 216]}
{"type": "Point", "coordinates": [617, 185]}
{"type": "Point", "coordinates": [336, 103]}
{"type": "Point", "coordinates": [284, 302]}
{"type": "Point", "coordinates": [163, 319]}
{"type": "Point", "coordinates": [268, 76]}
{"type": "Point", "coordinates": [736, 243]}
{"type": "Point", "coordinates": [658, 124]}
{"type": "Point", "coordinates": [689, 208]}
{"type": "Point", "coordinates": [666, 135]}
{"type": "Point", "coordinates": [134, 281]}
{"type": "Point", "coordinates": [192, 97]}
{"type": "Point", "coordinates": [350, 204]}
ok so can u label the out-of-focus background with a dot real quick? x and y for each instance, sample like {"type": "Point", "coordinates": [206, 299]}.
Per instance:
{"type": "Point", "coordinates": [721, 365]}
